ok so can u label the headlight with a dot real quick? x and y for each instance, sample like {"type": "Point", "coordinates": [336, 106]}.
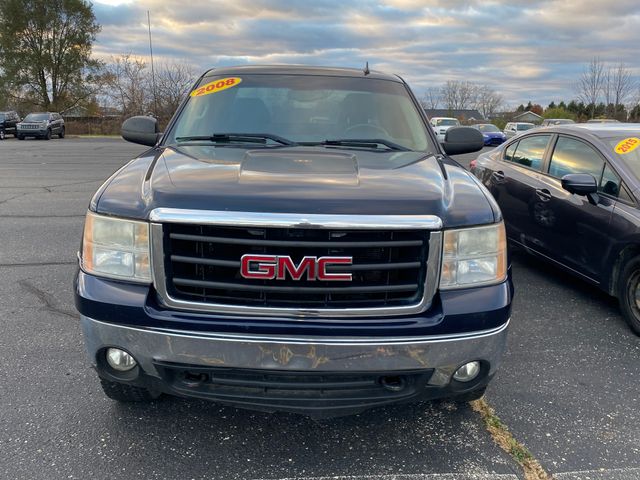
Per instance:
{"type": "Point", "coordinates": [116, 248]}
{"type": "Point", "coordinates": [474, 256]}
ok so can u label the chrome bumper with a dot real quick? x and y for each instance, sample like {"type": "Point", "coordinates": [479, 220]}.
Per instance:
{"type": "Point", "coordinates": [444, 354]}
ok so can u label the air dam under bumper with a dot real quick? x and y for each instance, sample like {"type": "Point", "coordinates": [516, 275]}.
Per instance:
{"type": "Point", "coordinates": [314, 376]}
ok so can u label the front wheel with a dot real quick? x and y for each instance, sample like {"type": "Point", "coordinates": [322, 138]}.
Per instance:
{"type": "Point", "coordinates": [126, 393]}
{"type": "Point", "coordinates": [470, 396]}
{"type": "Point", "coordinates": [629, 294]}
{"type": "Point", "coordinates": [48, 135]}
{"type": "Point", "coordinates": [61, 134]}
{"type": "Point", "coordinates": [20, 137]}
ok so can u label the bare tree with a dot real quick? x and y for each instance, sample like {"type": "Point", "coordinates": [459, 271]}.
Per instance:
{"type": "Point", "coordinates": [488, 100]}
{"type": "Point", "coordinates": [607, 91]}
{"type": "Point", "coordinates": [591, 83]}
{"type": "Point", "coordinates": [127, 80]}
{"type": "Point", "coordinates": [458, 95]}
{"type": "Point", "coordinates": [431, 98]}
{"type": "Point", "coordinates": [173, 81]}
{"type": "Point", "coordinates": [623, 84]}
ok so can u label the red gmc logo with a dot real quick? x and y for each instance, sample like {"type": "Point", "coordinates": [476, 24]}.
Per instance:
{"type": "Point", "coordinates": [268, 267]}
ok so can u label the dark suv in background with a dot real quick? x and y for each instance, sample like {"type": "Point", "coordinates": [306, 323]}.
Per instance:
{"type": "Point", "coordinates": [41, 125]}
{"type": "Point", "coordinates": [8, 122]}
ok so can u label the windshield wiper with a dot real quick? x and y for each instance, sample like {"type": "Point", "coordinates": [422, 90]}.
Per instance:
{"type": "Point", "coordinates": [364, 143]}
{"type": "Point", "coordinates": [237, 137]}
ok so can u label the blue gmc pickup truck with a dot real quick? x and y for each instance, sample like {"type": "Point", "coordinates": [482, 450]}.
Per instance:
{"type": "Point", "coordinates": [296, 240]}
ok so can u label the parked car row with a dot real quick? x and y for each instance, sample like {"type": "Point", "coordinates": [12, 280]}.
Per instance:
{"type": "Point", "coordinates": [37, 125]}
{"type": "Point", "coordinates": [570, 195]}
{"type": "Point", "coordinates": [491, 134]}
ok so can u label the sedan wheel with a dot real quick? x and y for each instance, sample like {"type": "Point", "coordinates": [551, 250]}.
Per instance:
{"type": "Point", "coordinates": [630, 294]}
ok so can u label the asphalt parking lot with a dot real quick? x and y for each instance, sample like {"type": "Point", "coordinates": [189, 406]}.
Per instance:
{"type": "Point", "coordinates": [569, 388]}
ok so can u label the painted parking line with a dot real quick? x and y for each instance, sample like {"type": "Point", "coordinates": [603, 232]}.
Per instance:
{"type": "Point", "coordinates": [426, 476]}
{"type": "Point", "coordinates": [613, 474]}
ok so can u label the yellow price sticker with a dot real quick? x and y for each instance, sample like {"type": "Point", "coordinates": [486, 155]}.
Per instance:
{"type": "Point", "coordinates": [216, 86]}
{"type": "Point", "coordinates": [627, 145]}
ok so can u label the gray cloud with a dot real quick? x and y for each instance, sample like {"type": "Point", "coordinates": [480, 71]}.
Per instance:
{"type": "Point", "coordinates": [526, 49]}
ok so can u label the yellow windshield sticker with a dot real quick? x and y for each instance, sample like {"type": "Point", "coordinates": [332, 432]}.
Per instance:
{"type": "Point", "coordinates": [627, 145]}
{"type": "Point", "coordinates": [216, 86]}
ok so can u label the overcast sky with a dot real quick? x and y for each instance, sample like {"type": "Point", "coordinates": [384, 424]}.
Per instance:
{"type": "Point", "coordinates": [526, 49]}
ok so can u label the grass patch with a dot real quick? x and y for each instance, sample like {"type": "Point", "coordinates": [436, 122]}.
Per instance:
{"type": "Point", "coordinates": [505, 440]}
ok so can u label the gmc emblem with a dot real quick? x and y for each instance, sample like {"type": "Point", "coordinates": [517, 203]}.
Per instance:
{"type": "Point", "coordinates": [268, 267]}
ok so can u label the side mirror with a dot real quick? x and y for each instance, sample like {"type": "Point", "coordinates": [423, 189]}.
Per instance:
{"type": "Point", "coordinates": [142, 130]}
{"type": "Point", "coordinates": [580, 183]}
{"type": "Point", "coordinates": [459, 140]}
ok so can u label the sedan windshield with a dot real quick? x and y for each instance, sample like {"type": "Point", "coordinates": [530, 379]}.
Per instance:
{"type": "Point", "coordinates": [302, 109]}
{"type": "Point", "coordinates": [525, 126]}
{"type": "Point", "coordinates": [627, 147]}
{"type": "Point", "coordinates": [37, 117]}
{"type": "Point", "coordinates": [487, 128]}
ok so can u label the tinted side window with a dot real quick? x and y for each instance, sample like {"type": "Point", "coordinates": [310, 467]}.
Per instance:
{"type": "Point", "coordinates": [574, 156]}
{"type": "Point", "coordinates": [530, 151]}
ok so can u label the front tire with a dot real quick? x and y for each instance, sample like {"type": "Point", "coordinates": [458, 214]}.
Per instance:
{"type": "Point", "coordinates": [629, 294]}
{"type": "Point", "coordinates": [126, 393]}
{"type": "Point", "coordinates": [48, 135]}
{"type": "Point", "coordinates": [20, 137]}
{"type": "Point", "coordinates": [470, 396]}
{"type": "Point", "coordinates": [61, 134]}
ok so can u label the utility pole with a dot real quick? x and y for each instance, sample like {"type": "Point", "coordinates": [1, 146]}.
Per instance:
{"type": "Point", "coordinates": [153, 73]}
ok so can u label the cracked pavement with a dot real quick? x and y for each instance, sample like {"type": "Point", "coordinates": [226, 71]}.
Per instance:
{"type": "Point", "coordinates": [568, 389]}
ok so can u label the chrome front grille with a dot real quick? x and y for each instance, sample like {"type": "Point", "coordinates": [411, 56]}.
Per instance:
{"type": "Point", "coordinates": [203, 264]}
{"type": "Point", "coordinates": [197, 265]}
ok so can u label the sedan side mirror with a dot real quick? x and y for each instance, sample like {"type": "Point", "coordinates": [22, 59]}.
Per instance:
{"type": "Point", "coordinates": [459, 140]}
{"type": "Point", "coordinates": [142, 130]}
{"type": "Point", "coordinates": [580, 183]}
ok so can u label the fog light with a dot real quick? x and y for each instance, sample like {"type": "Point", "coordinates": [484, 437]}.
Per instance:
{"type": "Point", "coordinates": [467, 372]}
{"type": "Point", "coordinates": [120, 360]}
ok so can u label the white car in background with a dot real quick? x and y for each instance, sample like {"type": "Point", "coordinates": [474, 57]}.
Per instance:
{"type": "Point", "coordinates": [442, 124]}
{"type": "Point", "coordinates": [514, 128]}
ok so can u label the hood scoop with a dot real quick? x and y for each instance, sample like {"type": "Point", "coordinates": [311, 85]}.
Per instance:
{"type": "Point", "coordinates": [271, 167]}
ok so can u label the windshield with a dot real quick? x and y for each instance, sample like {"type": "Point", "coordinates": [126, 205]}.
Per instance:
{"type": "Point", "coordinates": [302, 109]}
{"type": "Point", "coordinates": [524, 126]}
{"type": "Point", "coordinates": [446, 122]}
{"type": "Point", "coordinates": [1, 117]}
{"type": "Point", "coordinates": [487, 128]}
{"type": "Point", "coordinates": [627, 148]}
{"type": "Point", "coordinates": [37, 117]}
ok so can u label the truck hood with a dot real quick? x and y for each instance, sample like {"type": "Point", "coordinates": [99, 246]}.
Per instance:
{"type": "Point", "coordinates": [301, 180]}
